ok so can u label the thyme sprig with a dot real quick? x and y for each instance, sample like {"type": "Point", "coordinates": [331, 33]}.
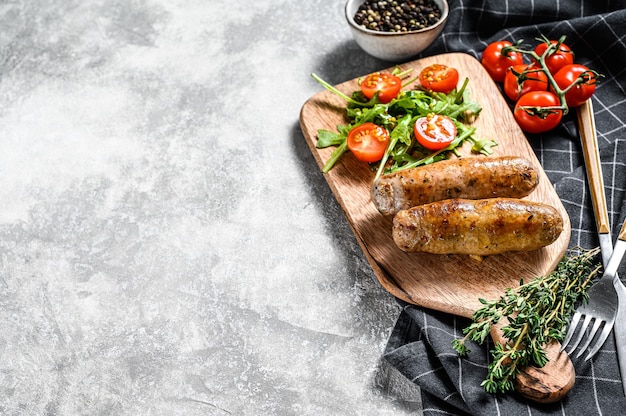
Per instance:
{"type": "Point", "coordinates": [537, 312]}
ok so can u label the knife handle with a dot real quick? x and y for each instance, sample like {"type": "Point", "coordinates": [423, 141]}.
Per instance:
{"type": "Point", "coordinates": [587, 131]}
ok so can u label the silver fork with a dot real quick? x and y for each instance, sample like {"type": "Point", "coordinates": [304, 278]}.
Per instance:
{"type": "Point", "coordinates": [587, 128]}
{"type": "Point", "coordinates": [600, 309]}
{"type": "Point", "coordinates": [603, 294]}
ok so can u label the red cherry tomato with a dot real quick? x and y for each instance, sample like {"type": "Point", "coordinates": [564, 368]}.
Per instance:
{"type": "Point", "coordinates": [561, 57]}
{"type": "Point", "coordinates": [368, 142]}
{"type": "Point", "coordinates": [434, 131]}
{"type": "Point", "coordinates": [533, 121]}
{"type": "Point", "coordinates": [581, 91]}
{"type": "Point", "coordinates": [439, 78]}
{"type": "Point", "coordinates": [521, 79]}
{"type": "Point", "coordinates": [385, 84]}
{"type": "Point", "coordinates": [496, 63]}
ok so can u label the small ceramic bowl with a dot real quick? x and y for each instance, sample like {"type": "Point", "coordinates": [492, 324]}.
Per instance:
{"type": "Point", "coordinates": [394, 46]}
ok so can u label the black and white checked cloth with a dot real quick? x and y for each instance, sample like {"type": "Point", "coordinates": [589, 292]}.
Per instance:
{"type": "Point", "coordinates": [420, 345]}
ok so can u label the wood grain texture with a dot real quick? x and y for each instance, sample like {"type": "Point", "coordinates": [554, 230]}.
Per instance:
{"type": "Point", "coordinates": [591, 153]}
{"type": "Point", "coordinates": [450, 283]}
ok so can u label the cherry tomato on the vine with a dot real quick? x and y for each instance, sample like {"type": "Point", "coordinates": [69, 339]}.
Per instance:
{"type": "Point", "coordinates": [497, 63]}
{"type": "Point", "coordinates": [521, 79]}
{"type": "Point", "coordinates": [439, 78]}
{"type": "Point", "coordinates": [385, 84]}
{"type": "Point", "coordinates": [585, 87]}
{"type": "Point", "coordinates": [368, 142]}
{"type": "Point", "coordinates": [534, 119]}
{"type": "Point", "coordinates": [435, 131]}
{"type": "Point", "coordinates": [561, 57]}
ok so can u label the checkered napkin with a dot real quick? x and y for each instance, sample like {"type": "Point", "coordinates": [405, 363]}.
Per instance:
{"type": "Point", "coordinates": [420, 345]}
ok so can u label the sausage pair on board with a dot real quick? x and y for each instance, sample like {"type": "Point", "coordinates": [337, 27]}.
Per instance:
{"type": "Point", "coordinates": [467, 206]}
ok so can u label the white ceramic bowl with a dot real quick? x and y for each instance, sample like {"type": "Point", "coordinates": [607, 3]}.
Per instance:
{"type": "Point", "coordinates": [394, 46]}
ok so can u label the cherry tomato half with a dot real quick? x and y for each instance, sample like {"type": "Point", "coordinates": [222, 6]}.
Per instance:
{"type": "Point", "coordinates": [439, 78]}
{"type": "Point", "coordinates": [368, 142]}
{"type": "Point", "coordinates": [561, 57]}
{"type": "Point", "coordinates": [521, 79]}
{"type": "Point", "coordinates": [496, 63]}
{"type": "Point", "coordinates": [583, 90]}
{"type": "Point", "coordinates": [434, 131]}
{"type": "Point", "coordinates": [385, 84]}
{"type": "Point", "coordinates": [532, 121]}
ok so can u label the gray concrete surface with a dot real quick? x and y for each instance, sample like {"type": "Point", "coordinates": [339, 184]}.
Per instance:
{"type": "Point", "coordinates": [168, 245]}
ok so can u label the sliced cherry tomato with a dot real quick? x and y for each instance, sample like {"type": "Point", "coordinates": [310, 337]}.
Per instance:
{"type": "Point", "coordinates": [385, 84]}
{"type": "Point", "coordinates": [496, 63]}
{"type": "Point", "coordinates": [561, 57]}
{"type": "Point", "coordinates": [534, 120]}
{"type": "Point", "coordinates": [434, 131]}
{"type": "Point", "coordinates": [368, 142]}
{"type": "Point", "coordinates": [439, 78]}
{"type": "Point", "coordinates": [570, 74]}
{"type": "Point", "coordinates": [521, 79]}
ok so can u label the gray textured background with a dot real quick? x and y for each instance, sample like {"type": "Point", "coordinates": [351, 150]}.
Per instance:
{"type": "Point", "coordinates": [167, 243]}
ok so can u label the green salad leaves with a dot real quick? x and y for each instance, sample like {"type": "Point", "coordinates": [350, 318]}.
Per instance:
{"type": "Point", "coordinates": [398, 117]}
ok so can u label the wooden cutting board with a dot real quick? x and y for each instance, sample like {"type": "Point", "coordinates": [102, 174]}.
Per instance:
{"type": "Point", "coordinates": [448, 283]}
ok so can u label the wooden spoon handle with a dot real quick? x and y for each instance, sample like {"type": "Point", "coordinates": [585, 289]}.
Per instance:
{"type": "Point", "coordinates": [548, 384]}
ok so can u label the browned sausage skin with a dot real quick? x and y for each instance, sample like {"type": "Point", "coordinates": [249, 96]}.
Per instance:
{"type": "Point", "coordinates": [468, 178]}
{"type": "Point", "coordinates": [477, 227]}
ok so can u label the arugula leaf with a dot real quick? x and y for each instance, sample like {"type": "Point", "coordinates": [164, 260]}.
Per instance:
{"type": "Point", "coordinates": [335, 155]}
{"type": "Point", "coordinates": [483, 146]}
{"type": "Point", "coordinates": [401, 133]}
{"type": "Point", "coordinates": [326, 138]}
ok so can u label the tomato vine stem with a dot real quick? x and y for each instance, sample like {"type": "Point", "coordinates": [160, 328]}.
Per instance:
{"type": "Point", "coordinates": [540, 59]}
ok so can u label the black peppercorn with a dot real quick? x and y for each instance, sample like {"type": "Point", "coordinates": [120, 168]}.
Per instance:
{"type": "Point", "coordinates": [398, 15]}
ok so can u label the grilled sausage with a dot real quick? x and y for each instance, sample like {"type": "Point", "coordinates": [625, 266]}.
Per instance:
{"type": "Point", "coordinates": [468, 178]}
{"type": "Point", "coordinates": [477, 227]}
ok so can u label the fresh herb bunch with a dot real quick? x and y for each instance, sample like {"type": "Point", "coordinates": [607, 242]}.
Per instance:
{"type": "Point", "coordinates": [398, 118]}
{"type": "Point", "coordinates": [537, 312]}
